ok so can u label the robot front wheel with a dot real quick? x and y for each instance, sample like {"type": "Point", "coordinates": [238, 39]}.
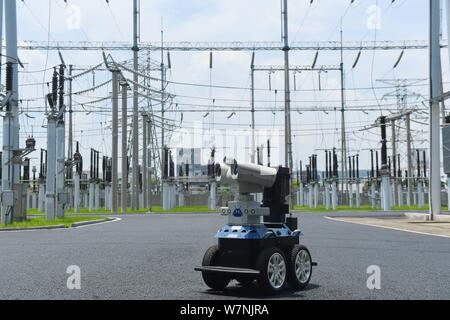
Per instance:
{"type": "Point", "coordinates": [275, 269]}
{"type": "Point", "coordinates": [214, 281]}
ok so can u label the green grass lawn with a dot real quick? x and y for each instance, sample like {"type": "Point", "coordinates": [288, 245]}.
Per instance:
{"type": "Point", "coordinates": [199, 209]}
{"type": "Point", "coordinates": [362, 208]}
{"type": "Point", "coordinates": [155, 209]}
{"type": "Point", "coordinates": [42, 222]}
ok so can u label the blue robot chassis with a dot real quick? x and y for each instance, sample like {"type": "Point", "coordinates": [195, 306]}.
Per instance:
{"type": "Point", "coordinates": [267, 253]}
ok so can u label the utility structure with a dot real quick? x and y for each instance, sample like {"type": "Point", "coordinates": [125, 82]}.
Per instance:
{"type": "Point", "coordinates": [78, 160]}
{"type": "Point", "coordinates": [402, 94]}
{"type": "Point", "coordinates": [135, 130]}
{"type": "Point", "coordinates": [62, 196]}
{"type": "Point", "coordinates": [327, 179]}
{"type": "Point", "coordinates": [435, 95]}
{"type": "Point", "coordinates": [374, 177]}
{"type": "Point", "coordinates": [227, 46]}
{"type": "Point", "coordinates": [212, 183]}
{"type": "Point", "coordinates": [94, 181]}
{"type": "Point", "coordinates": [386, 191]}
{"type": "Point", "coordinates": [116, 76]}
{"type": "Point", "coordinates": [290, 68]}
{"type": "Point", "coordinates": [106, 176]}
{"type": "Point", "coordinates": [54, 204]}
{"type": "Point", "coordinates": [421, 177]}
{"type": "Point", "coordinates": [9, 103]}
{"type": "Point", "coordinates": [289, 163]}
{"type": "Point", "coordinates": [42, 179]}
{"type": "Point", "coordinates": [124, 158]}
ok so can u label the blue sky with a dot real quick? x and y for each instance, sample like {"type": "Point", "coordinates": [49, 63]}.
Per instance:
{"type": "Point", "coordinates": [236, 20]}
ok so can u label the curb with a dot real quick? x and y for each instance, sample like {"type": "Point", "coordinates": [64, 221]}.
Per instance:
{"type": "Point", "coordinates": [87, 223]}
{"type": "Point", "coordinates": [427, 217]}
{"type": "Point", "coordinates": [60, 226]}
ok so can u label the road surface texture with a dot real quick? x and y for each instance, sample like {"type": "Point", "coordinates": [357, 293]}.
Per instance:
{"type": "Point", "coordinates": [153, 257]}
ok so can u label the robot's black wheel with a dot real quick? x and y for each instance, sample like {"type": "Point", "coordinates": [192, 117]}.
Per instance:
{"type": "Point", "coordinates": [214, 281]}
{"type": "Point", "coordinates": [299, 267]}
{"type": "Point", "coordinates": [272, 265]}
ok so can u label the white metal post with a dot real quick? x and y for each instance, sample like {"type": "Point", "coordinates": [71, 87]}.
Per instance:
{"type": "Point", "coordinates": [115, 139]}
{"type": "Point", "coordinates": [124, 186]}
{"type": "Point", "coordinates": [11, 172]}
{"type": "Point", "coordinates": [12, 57]}
{"type": "Point", "coordinates": [144, 162]}
{"type": "Point", "coordinates": [435, 92]}
{"type": "Point", "coordinates": [135, 129]}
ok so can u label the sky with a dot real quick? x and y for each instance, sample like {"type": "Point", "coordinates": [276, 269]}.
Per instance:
{"type": "Point", "coordinates": [226, 21]}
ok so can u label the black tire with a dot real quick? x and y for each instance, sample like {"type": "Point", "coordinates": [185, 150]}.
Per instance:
{"type": "Point", "coordinates": [214, 281]}
{"type": "Point", "coordinates": [266, 280]}
{"type": "Point", "coordinates": [298, 279]}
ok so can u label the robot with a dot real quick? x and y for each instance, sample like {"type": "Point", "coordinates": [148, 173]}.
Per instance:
{"type": "Point", "coordinates": [259, 243]}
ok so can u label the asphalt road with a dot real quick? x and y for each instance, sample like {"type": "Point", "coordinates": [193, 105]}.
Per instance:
{"type": "Point", "coordinates": [153, 257]}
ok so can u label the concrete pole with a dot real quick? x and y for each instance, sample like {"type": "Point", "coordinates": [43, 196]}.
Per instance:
{"type": "Point", "coordinates": [70, 141]}
{"type": "Point", "coordinates": [97, 196]}
{"type": "Point", "coordinates": [373, 193]}
{"type": "Point", "coordinates": [386, 191]}
{"type": "Point", "coordinates": [253, 157]}
{"type": "Point", "coordinates": [394, 155]}
{"type": "Point", "coordinates": [115, 139]}
{"type": "Point", "coordinates": [213, 203]}
{"type": "Point", "coordinates": [11, 172]}
{"type": "Point", "coordinates": [50, 195]}
{"type": "Point", "coordinates": [77, 193]}
{"type": "Point", "coordinates": [400, 194]}
{"type": "Point", "coordinates": [287, 98]}
{"type": "Point", "coordinates": [7, 168]}
{"type": "Point", "coordinates": [435, 91]}
{"type": "Point", "coordinates": [350, 194]}
{"type": "Point", "coordinates": [358, 195]}
{"type": "Point", "coordinates": [409, 179]}
{"type": "Point", "coordinates": [311, 196]}
{"type": "Point", "coordinates": [41, 198]}
{"type": "Point", "coordinates": [60, 167]}
{"type": "Point", "coordinates": [301, 195]}
{"type": "Point", "coordinates": [149, 165]}
{"type": "Point", "coordinates": [163, 107]}
{"type": "Point", "coordinates": [91, 196]}
{"type": "Point", "coordinates": [135, 130]}
{"type": "Point", "coordinates": [327, 195]}
{"type": "Point", "coordinates": [124, 192]}
{"type": "Point", "coordinates": [144, 161]}
{"type": "Point", "coordinates": [12, 57]}
{"type": "Point", "coordinates": [344, 172]}
{"type": "Point", "coordinates": [334, 195]}
{"type": "Point", "coordinates": [420, 194]}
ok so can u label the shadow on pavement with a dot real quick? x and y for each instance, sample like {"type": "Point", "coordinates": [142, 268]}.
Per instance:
{"type": "Point", "coordinates": [251, 292]}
